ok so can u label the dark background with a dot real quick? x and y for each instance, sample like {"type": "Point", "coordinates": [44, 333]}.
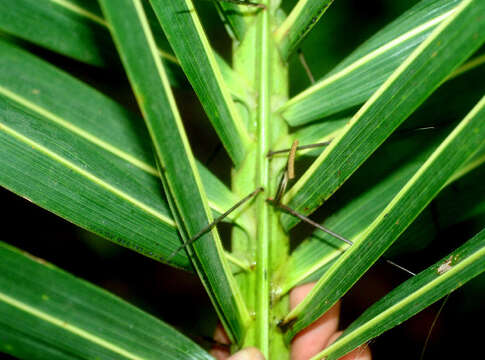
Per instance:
{"type": "Point", "coordinates": [177, 297]}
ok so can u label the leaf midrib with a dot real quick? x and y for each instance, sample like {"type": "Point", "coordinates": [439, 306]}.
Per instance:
{"type": "Point", "coordinates": [88, 136]}
{"type": "Point", "coordinates": [40, 148]}
{"type": "Point", "coordinates": [362, 111]}
{"type": "Point", "coordinates": [66, 326]}
{"type": "Point", "coordinates": [95, 18]}
{"type": "Point", "coordinates": [416, 294]}
{"type": "Point", "coordinates": [80, 11]}
{"type": "Point", "coordinates": [78, 131]}
{"type": "Point", "coordinates": [370, 56]}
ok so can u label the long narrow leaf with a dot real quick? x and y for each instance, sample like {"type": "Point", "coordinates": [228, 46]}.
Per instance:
{"type": "Point", "coordinates": [71, 141]}
{"type": "Point", "coordinates": [426, 183]}
{"type": "Point", "coordinates": [350, 215]}
{"type": "Point", "coordinates": [48, 314]}
{"type": "Point", "coordinates": [422, 72]}
{"type": "Point", "coordinates": [184, 31]}
{"type": "Point", "coordinates": [182, 183]}
{"type": "Point", "coordinates": [299, 23]}
{"type": "Point", "coordinates": [354, 80]}
{"type": "Point", "coordinates": [52, 168]}
{"type": "Point", "coordinates": [61, 26]}
{"type": "Point", "coordinates": [362, 198]}
{"type": "Point", "coordinates": [412, 296]}
{"type": "Point", "coordinates": [77, 29]}
{"type": "Point", "coordinates": [72, 28]}
{"type": "Point", "coordinates": [46, 92]}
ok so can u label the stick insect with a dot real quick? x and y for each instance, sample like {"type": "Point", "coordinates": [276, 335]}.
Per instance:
{"type": "Point", "coordinates": [288, 174]}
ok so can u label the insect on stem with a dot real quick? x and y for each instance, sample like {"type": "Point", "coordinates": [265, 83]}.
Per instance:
{"type": "Point", "coordinates": [291, 160]}
{"type": "Point", "coordinates": [302, 147]}
{"type": "Point", "coordinates": [214, 223]}
{"type": "Point", "coordinates": [288, 173]}
{"type": "Point", "coordinates": [310, 221]}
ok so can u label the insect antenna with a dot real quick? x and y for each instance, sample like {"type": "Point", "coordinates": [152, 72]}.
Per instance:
{"type": "Point", "coordinates": [310, 221]}
{"type": "Point", "coordinates": [288, 173]}
{"type": "Point", "coordinates": [390, 262]}
{"type": "Point", "coordinates": [214, 223]}
{"type": "Point", "coordinates": [303, 62]}
{"type": "Point", "coordinates": [432, 326]}
{"type": "Point", "coordinates": [412, 131]}
{"type": "Point", "coordinates": [281, 187]}
{"type": "Point", "coordinates": [301, 147]}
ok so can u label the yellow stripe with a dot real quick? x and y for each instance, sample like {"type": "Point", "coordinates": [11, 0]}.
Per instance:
{"type": "Point", "coordinates": [399, 305]}
{"type": "Point", "coordinates": [370, 56]}
{"type": "Point", "coordinates": [87, 14]}
{"type": "Point", "coordinates": [88, 175]}
{"type": "Point", "coordinates": [88, 136]}
{"type": "Point", "coordinates": [84, 134]}
{"type": "Point", "coordinates": [390, 80]}
{"type": "Point", "coordinates": [80, 11]}
{"type": "Point", "coordinates": [67, 327]}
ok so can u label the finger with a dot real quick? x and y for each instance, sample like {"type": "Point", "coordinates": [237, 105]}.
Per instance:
{"type": "Point", "coordinates": [315, 337]}
{"type": "Point", "coordinates": [250, 353]}
{"type": "Point", "coordinates": [360, 353]}
{"type": "Point", "coordinates": [220, 352]}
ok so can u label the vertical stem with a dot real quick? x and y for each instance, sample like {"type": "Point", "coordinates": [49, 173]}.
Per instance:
{"type": "Point", "coordinates": [262, 176]}
{"type": "Point", "coordinates": [263, 240]}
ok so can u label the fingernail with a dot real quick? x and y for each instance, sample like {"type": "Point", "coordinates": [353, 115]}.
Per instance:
{"type": "Point", "coordinates": [250, 353]}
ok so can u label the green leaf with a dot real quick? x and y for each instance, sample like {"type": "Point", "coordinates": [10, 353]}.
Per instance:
{"type": "Point", "coordinates": [469, 65]}
{"type": "Point", "coordinates": [67, 175]}
{"type": "Point", "coordinates": [299, 23]}
{"type": "Point", "coordinates": [72, 28]}
{"type": "Point", "coordinates": [412, 296]}
{"type": "Point", "coordinates": [423, 71]}
{"type": "Point", "coordinates": [425, 184]}
{"type": "Point", "coordinates": [62, 26]}
{"type": "Point", "coordinates": [77, 29]}
{"type": "Point", "coordinates": [360, 200]}
{"type": "Point", "coordinates": [56, 146]}
{"type": "Point", "coordinates": [368, 192]}
{"type": "Point", "coordinates": [180, 176]}
{"type": "Point", "coordinates": [46, 313]}
{"type": "Point", "coordinates": [358, 76]}
{"type": "Point", "coordinates": [319, 132]}
{"type": "Point", "coordinates": [184, 31]}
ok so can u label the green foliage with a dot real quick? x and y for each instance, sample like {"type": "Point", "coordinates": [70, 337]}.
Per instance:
{"type": "Point", "coordinates": [180, 177]}
{"type": "Point", "coordinates": [134, 179]}
{"type": "Point", "coordinates": [37, 311]}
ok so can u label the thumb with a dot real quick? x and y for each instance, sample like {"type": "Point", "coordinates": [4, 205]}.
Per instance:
{"type": "Point", "coordinates": [250, 353]}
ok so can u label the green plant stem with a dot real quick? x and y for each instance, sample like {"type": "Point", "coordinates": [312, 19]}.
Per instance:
{"type": "Point", "coordinates": [262, 178]}
{"type": "Point", "coordinates": [257, 59]}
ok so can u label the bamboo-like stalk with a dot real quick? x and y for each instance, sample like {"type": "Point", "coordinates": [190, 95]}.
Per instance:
{"type": "Point", "coordinates": [258, 60]}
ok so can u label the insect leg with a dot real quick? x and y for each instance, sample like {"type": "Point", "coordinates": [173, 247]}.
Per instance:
{"type": "Point", "coordinates": [214, 223]}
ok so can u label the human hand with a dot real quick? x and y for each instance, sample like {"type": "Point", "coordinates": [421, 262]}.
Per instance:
{"type": "Point", "coordinates": [323, 332]}
{"type": "Point", "coordinates": [306, 343]}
